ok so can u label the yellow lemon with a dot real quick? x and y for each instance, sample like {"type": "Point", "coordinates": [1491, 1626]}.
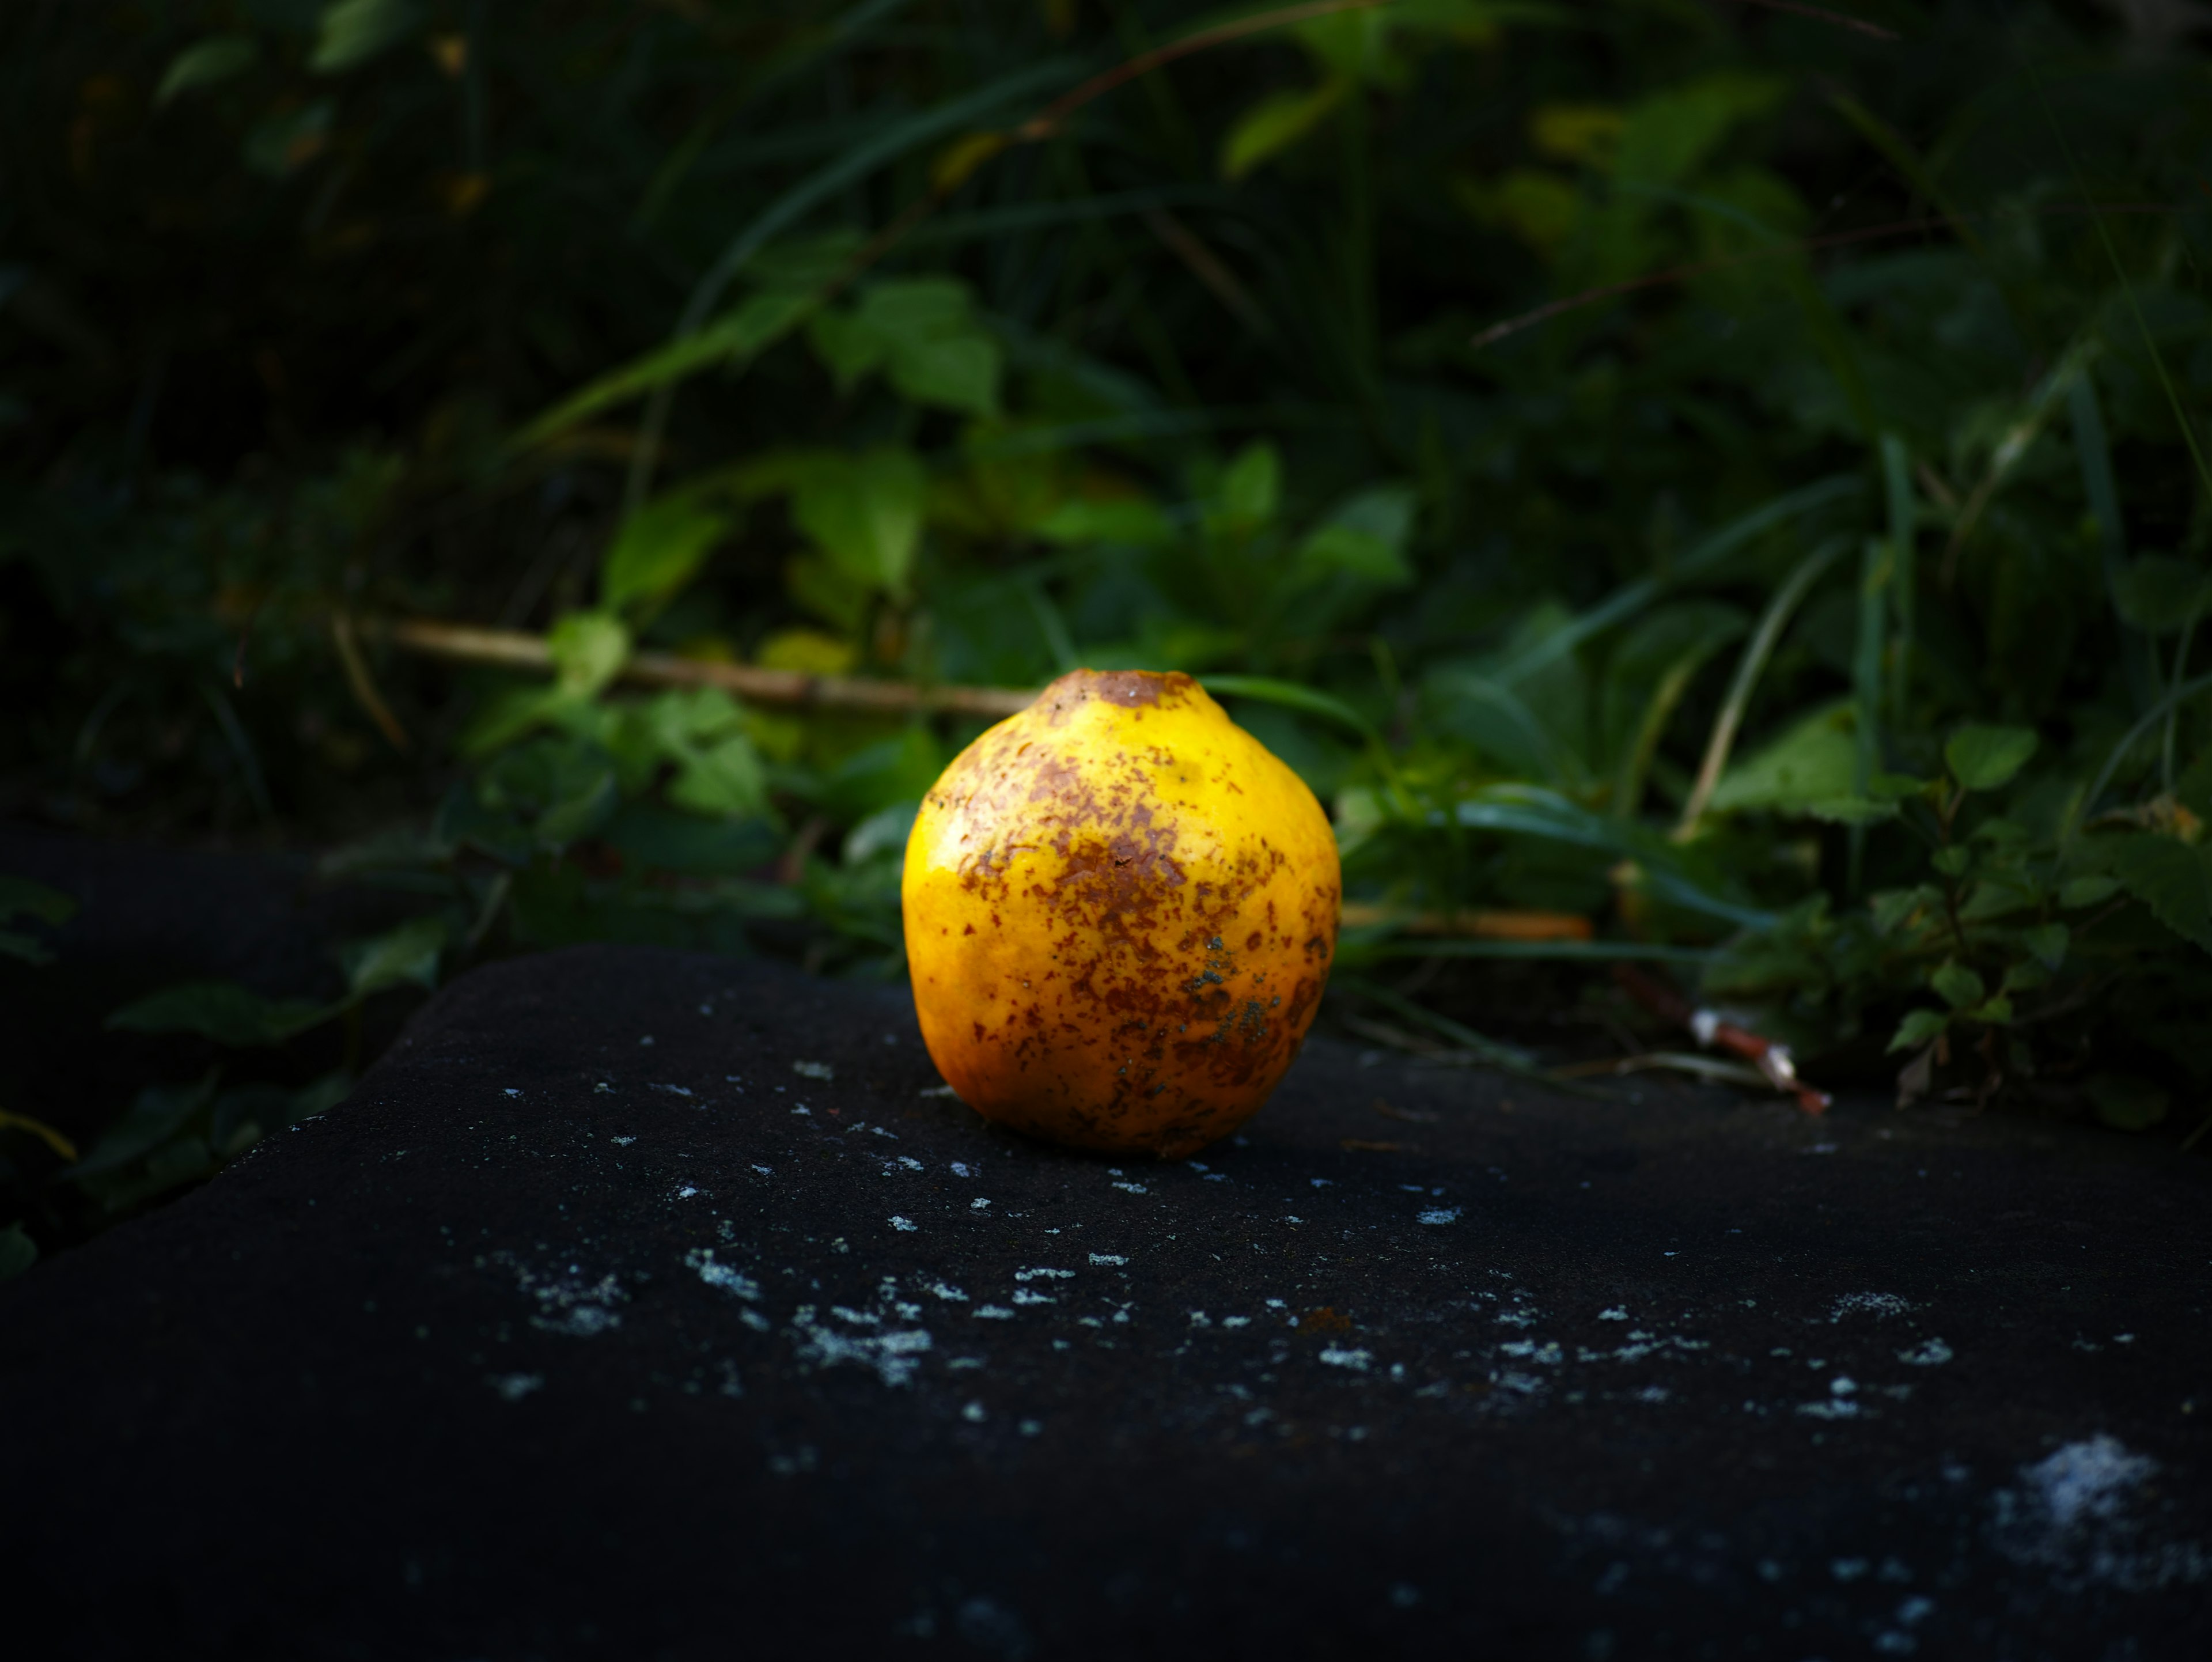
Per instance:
{"type": "Point", "coordinates": [1119, 909]}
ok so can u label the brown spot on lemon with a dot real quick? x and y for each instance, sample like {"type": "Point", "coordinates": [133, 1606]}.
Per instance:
{"type": "Point", "coordinates": [1118, 834]}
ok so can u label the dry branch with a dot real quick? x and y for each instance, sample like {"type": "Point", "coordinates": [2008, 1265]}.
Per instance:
{"type": "Point", "coordinates": [513, 648]}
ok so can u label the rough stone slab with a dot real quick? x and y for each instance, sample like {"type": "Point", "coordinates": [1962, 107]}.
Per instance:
{"type": "Point", "coordinates": [648, 1304]}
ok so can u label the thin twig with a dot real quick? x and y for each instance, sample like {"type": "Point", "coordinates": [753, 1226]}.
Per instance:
{"type": "Point", "coordinates": [514, 648]}
{"type": "Point", "coordinates": [364, 684]}
{"type": "Point", "coordinates": [1474, 925]}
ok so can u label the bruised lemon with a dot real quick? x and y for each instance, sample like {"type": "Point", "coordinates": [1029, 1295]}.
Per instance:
{"type": "Point", "coordinates": [1119, 913]}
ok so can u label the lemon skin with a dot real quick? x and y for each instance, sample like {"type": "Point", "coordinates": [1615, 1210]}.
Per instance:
{"type": "Point", "coordinates": [1120, 909]}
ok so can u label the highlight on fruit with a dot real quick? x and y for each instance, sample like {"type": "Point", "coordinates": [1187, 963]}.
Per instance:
{"type": "Point", "coordinates": [1120, 909]}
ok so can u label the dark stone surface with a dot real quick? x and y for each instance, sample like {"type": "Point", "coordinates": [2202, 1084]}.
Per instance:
{"type": "Point", "coordinates": [601, 1323]}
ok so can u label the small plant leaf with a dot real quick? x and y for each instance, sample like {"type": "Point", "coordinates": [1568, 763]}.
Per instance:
{"type": "Point", "coordinates": [1917, 1028]}
{"type": "Point", "coordinates": [1365, 538]}
{"type": "Point", "coordinates": [408, 953]}
{"type": "Point", "coordinates": [2160, 594]}
{"type": "Point", "coordinates": [659, 549]}
{"type": "Point", "coordinates": [1957, 985]}
{"type": "Point", "coordinates": [2078, 892]}
{"type": "Point", "coordinates": [589, 649]}
{"type": "Point", "coordinates": [206, 64]}
{"type": "Point", "coordinates": [1275, 123]}
{"type": "Point", "coordinates": [2171, 877]}
{"type": "Point", "coordinates": [866, 513]}
{"type": "Point", "coordinates": [2128, 1103]}
{"type": "Point", "coordinates": [352, 32]}
{"type": "Point", "coordinates": [1985, 758]}
{"type": "Point", "coordinates": [220, 1010]}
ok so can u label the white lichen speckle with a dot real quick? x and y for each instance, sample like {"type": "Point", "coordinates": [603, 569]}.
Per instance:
{"type": "Point", "coordinates": [1880, 1306]}
{"type": "Point", "coordinates": [1615, 1314]}
{"type": "Point", "coordinates": [515, 1386]}
{"type": "Point", "coordinates": [1930, 1353]}
{"type": "Point", "coordinates": [1107, 1258]}
{"type": "Point", "coordinates": [1357, 1361]}
{"type": "Point", "coordinates": [813, 1070]}
{"type": "Point", "coordinates": [902, 1226]}
{"type": "Point", "coordinates": [893, 1356]}
{"type": "Point", "coordinates": [720, 1276]}
{"type": "Point", "coordinates": [1439, 1214]}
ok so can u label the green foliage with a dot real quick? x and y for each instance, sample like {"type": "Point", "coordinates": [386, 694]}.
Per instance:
{"type": "Point", "coordinates": [20, 897]}
{"type": "Point", "coordinates": [1530, 421]}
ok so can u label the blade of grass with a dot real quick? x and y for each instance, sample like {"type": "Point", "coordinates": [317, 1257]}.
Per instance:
{"type": "Point", "coordinates": [1876, 571]}
{"type": "Point", "coordinates": [2127, 286]}
{"type": "Point", "coordinates": [779, 68]}
{"type": "Point", "coordinates": [2103, 492]}
{"type": "Point", "coordinates": [1780, 611]}
{"type": "Point", "coordinates": [1897, 480]}
{"type": "Point", "coordinates": [1632, 598]}
{"type": "Point", "coordinates": [1291, 696]}
{"type": "Point", "coordinates": [810, 193]}
{"type": "Point", "coordinates": [2177, 695]}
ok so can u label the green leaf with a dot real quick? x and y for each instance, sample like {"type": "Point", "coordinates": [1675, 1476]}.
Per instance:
{"type": "Point", "coordinates": [866, 512]}
{"type": "Point", "coordinates": [1275, 123]}
{"type": "Point", "coordinates": [1251, 490]}
{"type": "Point", "coordinates": [2048, 941]}
{"type": "Point", "coordinates": [725, 779]}
{"type": "Point", "coordinates": [659, 549]}
{"type": "Point", "coordinates": [1128, 520]}
{"type": "Point", "coordinates": [1985, 758]}
{"type": "Point", "coordinates": [1892, 907]}
{"type": "Point", "coordinates": [2160, 594]}
{"type": "Point", "coordinates": [1917, 1028]}
{"type": "Point", "coordinates": [953, 375]}
{"type": "Point", "coordinates": [352, 32]}
{"type": "Point", "coordinates": [19, 897]}
{"type": "Point", "coordinates": [2079, 891]}
{"type": "Point", "coordinates": [735, 338]}
{"type": "Point", "coordinates": [924, 333]}
{"type": "Point", "coordinates": [206, 64]}
{"type": "Point", "coordinates": [1812, 762]}
{"type": "Point", "coordinates": [2127, 1102]}
{"type": "Point", "coordinates": [18, 1251]}
{"type": "Point", "coordinates": [1365, 538]}
{"type": "Point", "coordinates": [1291, 696]}
{"type": "Point", "coordinates": [650, 835]}
{"type": "Point", "coordinates": [883, 831]}
{"type": "Point", "coordinates": [849, 349]}
{"type": "Point", "coordinates": [563, 789]}
{"type": "Point", "coordinates": [221, 1010]}
{"type": "Point", "coordinates": [1953, 860]}
{"type": "Point", "coordinates": [1996, 1010]}
{"type": "Point", "coordinates": [589, 649]}
{"type": "Point", "coordinates": [2173, 878]}
{"type": "Point", "coordinates": [938, 353]}
{"type": "Point", "coordinates": [155, 1116]}
{"type": "Point", "coordinates": [408, 953]}
{"type": "Point", "coordinates": [1851, 811]}
{"type": "Point", "coordinates": [287, 140]}
{"type": "Point", "coordinates": [1958, 986]}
